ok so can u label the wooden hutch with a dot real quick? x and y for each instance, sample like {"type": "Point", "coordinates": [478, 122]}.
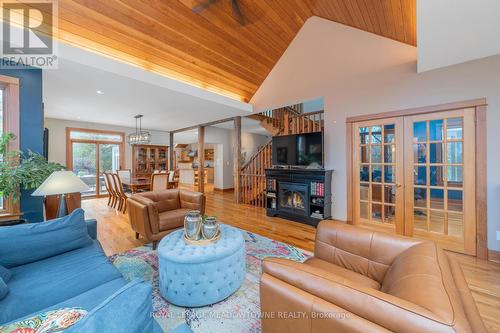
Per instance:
{"type": "Point", "coordinates": [148, 158]}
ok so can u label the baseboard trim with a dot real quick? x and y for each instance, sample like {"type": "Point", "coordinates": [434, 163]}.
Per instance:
{"type": "Point", "coordinates": [493, 255]}
{"type": "Point", "coordinates": [223, 189]}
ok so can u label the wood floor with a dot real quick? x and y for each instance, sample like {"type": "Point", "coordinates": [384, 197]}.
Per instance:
{"type": "Point", "coordinates": [115, 235]}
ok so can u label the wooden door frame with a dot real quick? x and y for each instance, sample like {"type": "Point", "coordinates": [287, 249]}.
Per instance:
{"type": "Point", "coordinates": [480, 106]}
{"type": "Point", "coordinates": [11, 114]}
{"type": "Point", "coordinates": [69, 149]}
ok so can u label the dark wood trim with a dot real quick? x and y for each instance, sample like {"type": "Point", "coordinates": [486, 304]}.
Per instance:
{"type": "Point", "coordinates": [215, 122]}
{"type": "Point", "coordinates": [201, 159]}
{"type": "Point", "coordinates": [494, 255]}
{"type": "Point", "coordinates": [236, 158]}
{"type": "Point", "coordinates": [420, 110]}
{"type": "Point", "coordinates": [481, 184]}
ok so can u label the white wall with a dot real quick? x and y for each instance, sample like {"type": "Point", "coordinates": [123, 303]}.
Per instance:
{"type": "Point", "coordinates": [251, 142]}
{"type": "Point", "coordinates": [222, 139]}
{"type": "Point", "coordinates": [361, 73]}
{"type": "Point", "coordinates": [223, 177]}
{"type": "Point", "coordinates": [57, 138]}
{"type": "Point", "coordinates": [219, 166]}
{"type": "Point", "coordinates": [450, 32]}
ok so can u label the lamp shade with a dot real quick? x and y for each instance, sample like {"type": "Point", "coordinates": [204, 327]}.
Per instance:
{"type": "Point", "coordinates": [61, 182]}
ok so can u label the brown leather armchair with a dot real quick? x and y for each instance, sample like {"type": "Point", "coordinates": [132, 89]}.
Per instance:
{"type": "Point", "coordinates": [364, 281]}
{"type": "Point", "coordinates": [155, 214]}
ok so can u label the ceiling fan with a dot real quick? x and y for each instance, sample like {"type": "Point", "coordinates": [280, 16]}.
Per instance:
{"type": "Point", "coordinates": [238, 16]}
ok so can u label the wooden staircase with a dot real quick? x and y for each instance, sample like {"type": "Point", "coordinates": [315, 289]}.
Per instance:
{"type": "Point", "coordinates": [284, 121]}
{"type": "Point", "coordinates": [273, 121]}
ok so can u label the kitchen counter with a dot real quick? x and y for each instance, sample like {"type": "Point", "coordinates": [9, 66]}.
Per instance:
{"type": "Point", "coordinates": [187, 174]}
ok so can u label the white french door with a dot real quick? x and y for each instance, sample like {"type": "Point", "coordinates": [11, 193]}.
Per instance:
{"type": "Point", "coordinates": [415, 176]}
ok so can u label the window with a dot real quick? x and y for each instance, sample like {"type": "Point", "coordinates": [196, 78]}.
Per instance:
{"type": "Point", "coordinates": [1, 132]}
{"type": "Point", "coordinates": [93, 152]}
{"type": "Point", "coordinates": [9, 123]}
{"type": "Point", "coordinates": [96, 136]}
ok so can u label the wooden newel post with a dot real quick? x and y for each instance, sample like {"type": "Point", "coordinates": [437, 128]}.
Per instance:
{"type": "Point", "coordinates": [237, 159]}
{"type": "Point", "coordinates": [201, 159]}
{"type": "Point", "coordinates": [171, 153]}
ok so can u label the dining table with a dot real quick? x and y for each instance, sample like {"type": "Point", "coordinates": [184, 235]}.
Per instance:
{"type": "Point", "coordinates": [136, 184]}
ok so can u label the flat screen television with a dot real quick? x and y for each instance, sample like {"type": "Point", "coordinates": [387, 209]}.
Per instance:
{"type": "Point", "coordinates": [298, 149]}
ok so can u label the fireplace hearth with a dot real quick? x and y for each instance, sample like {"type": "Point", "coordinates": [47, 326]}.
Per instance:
{"type": "Point", "coordinates": [301, 195]}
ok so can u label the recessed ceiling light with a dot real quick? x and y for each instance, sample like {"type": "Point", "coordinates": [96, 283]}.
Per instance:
{"type": "Point", "coordinates": [100, 92]}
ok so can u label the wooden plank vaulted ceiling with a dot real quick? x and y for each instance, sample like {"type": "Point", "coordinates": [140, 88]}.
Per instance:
{"type": "Point", "coordinates": [211, 49]}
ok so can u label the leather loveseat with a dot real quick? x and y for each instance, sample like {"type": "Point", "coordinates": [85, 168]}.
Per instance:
{"type": "Point", "coordinates": [155, 214]}
{"type": "Point", "coordinates": [364, 281]}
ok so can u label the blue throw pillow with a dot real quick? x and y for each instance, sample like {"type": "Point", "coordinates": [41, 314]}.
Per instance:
{"type": "Point", "coordinates": [5, 274]}
{"type": "Point", "coordinates": [26, 243]}
{"type": "Point", "coordinates": [4, 290]}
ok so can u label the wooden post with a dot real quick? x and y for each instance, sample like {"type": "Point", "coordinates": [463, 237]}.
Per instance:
{"type": "Point", "coordinates": [171, 152]}
{"type": "Point", "coordinates": [237, 158]}
{"type": "Point", "coordinates": [201, 159]}
{"type": "Point", "coordinates": [481, 185]}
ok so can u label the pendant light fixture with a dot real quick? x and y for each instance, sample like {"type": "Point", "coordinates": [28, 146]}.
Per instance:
{"type": "Point", "coordinates": [140, 137]}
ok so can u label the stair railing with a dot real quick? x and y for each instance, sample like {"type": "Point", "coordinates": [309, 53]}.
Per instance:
{"type": "Point", "coordinates": [252, 181]}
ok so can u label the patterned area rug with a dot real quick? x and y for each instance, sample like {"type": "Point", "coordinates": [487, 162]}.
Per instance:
{"type": "Point", "coordinates": [238, 313]}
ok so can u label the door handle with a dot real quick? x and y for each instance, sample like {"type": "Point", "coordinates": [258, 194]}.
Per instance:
{"type": "Point", "coordinates": [398, 185]}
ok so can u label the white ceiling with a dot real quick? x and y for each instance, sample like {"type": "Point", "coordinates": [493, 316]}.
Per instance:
{"type": "Point", "coordinates": [450, 32]}
{"type": "Point", "coordinates": [70, 92]}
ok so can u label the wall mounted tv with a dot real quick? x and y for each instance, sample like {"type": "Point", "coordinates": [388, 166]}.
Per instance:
{"type": "Point", "coordinates": [298, 149]}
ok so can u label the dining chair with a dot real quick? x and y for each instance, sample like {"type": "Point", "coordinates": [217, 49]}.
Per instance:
{"type": "Point", "coordinates": [159, 182]}
{"type": "Point", "coordinates": [111, 190]}
{"type": "Point", "coordinates": [172, 182]}
{"type": "Point", "coordinates": [125, 174]}
{"type": "Point", "coordinates": [121, 195]}
{"type": "Point", "coordinates": [106, 184]}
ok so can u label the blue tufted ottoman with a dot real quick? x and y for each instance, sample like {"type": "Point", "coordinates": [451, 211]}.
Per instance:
{"type": "Point", "coordinates": [193, 276]}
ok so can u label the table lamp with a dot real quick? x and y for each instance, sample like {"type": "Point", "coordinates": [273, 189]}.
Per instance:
{"type": "Point", "coordinates": [61, 182]}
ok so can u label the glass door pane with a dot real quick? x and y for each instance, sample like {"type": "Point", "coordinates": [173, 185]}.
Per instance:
{"type": "Point", "coordinates": [378, 194]}
{"type": "Point", "coordinates": [85, 165]}
{"type": "Point", "coordinates": [109, 161]}
{"type": "Point", "coordinates": [441, 164]}
{"type": "Point", "coordinates": [142, 160]}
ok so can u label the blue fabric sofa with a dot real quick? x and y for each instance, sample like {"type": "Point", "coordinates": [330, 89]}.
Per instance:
{"type": "Point", "coordinates": [59, 263]}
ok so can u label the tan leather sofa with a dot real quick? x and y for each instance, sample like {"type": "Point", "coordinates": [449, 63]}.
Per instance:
{"type": "Point", "coordinates": [155, 214]}
{"type": "Point", "coordinates": [364, 281]}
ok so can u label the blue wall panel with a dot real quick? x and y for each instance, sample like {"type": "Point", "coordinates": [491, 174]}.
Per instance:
{"type": "Point", "coordinates": [31, 128]}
